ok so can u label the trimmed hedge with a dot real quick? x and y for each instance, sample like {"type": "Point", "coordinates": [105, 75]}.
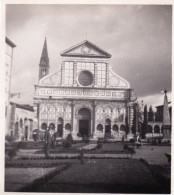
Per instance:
{"type": "Point", "coordinates": [88, 151]}
{"type": "Point", "coordinates": [65, 157]}
{"type": "Point", "coordinates": [34, 164]}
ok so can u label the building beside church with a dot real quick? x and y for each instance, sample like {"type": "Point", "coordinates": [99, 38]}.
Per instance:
{"type": "Point", "coordinates": [84, 96]}
{"type": "Point", "coordinates": [8, 69]}
{"type": "Point", "coordinates": [21, 121]}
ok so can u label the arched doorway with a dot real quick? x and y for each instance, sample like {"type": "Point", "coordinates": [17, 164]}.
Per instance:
{"type": "Point", "coordinates": [84, 117]}
{"type": "Point", "coordinates": [100, 127]}
{"type": "Point", "coordinates": [52, 126]}
{"type": "Point", "coordinates": [60, 127]}
{"type": "Point", "coordinates": [115, 128]}
{"type": "Point", "coordinates": [16, 130]}
{"type": "Point", "coordinates": [107, 128]}
{"type": "Point", "coordinates": [68, 127]}
{"type": "Point", "coordinates": [21, 123]}
{"type": "Point", "coordinates": [156, 129]}
{"type": "Point", "coordinates": [26, 133]}
{"type": "Point", "coordinates": [123, 128]}
{"type": "Point", "coordinates": [149, 129]}
{"type": "Point", "coordinates": [44, 126]}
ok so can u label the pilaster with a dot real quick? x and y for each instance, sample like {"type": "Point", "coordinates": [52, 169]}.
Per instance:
{"type": "Point", "coordinates": [72, 116]}
{"type": "Point", "coordinates": [94, 120]}
{"type": "Point", "coordinates": [63, 73]}
{"type": "Point", "coordinates": [75, 74]}
{"type": "Point", "coordinates": [12, 119]}
{"type": "Point", "coordinates": [131, 113]}
{"type": "Point", "coordinates": [107, 74]}
{"type": "Point", "coordinates": [95, 74]}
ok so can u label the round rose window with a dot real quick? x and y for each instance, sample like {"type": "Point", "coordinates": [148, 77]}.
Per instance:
{"type": "Point", "coordinates": [85, 78]}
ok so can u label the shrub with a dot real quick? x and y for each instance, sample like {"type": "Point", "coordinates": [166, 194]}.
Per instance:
{"type": "Point", "coordinates": [9, 138]}
{"type": "Point", "coordinates": [132, 151]}
{"type": "Point", "coordinates": [159, 140]}
{"type": "Point", "coordinates": [132, 140]}
{"type": "Point", "coordinates": [154, 141]}
{"type": "Point", "coordinates": [67, 144]}
{"type": "Point", "coordinates": [79, 134]}
{"type": "Point", "coordinates": [126, 147]}
{"type": "Point", "coordinates": [85, 139]}
{"type": "Point", "coordinates": [99, 144]}
{"type": "Point", "coordinates": [81, 157]}
{"type": "Point", "coordinates": [70, 138]}
{"type": "Point", "coordinates": [12, 153]}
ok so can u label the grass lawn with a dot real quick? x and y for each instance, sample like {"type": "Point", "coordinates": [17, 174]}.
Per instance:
{"type": "Point", "coordinates": [104, 176]}
{"type": "Point", "coordinates": [153, 154]}
{"type": "Point", "coordinates": [17, 178]}
{"type": "Point", "coordinates": [117, 146]}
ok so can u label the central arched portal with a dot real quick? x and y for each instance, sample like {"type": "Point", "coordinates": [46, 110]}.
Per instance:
{"type": "Point", "coordinates": [107, 128]}
{"type": "Point", "coordinates": [84, 118]}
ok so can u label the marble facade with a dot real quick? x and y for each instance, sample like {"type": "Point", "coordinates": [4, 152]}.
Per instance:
{"type": "Point", "coordinates": [83, 97]}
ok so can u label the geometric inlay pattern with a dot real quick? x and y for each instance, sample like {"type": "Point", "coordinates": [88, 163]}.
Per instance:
{"type": "Point", "coordinates": [54, 79]}
{"type": "Point", "coordinates": [113, 81]}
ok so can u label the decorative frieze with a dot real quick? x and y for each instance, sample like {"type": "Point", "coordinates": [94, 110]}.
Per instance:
{"type": "Point", "coordinates": [83, 93]}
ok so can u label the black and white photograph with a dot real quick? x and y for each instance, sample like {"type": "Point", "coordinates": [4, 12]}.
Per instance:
{"type": "Point", "coordinates": [88, 98]}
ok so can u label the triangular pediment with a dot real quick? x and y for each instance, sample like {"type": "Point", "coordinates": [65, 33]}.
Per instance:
{"type": "Point", "coordinates": [86, 49]}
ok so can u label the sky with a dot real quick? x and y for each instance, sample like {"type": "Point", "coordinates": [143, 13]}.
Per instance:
{"type": "Point", "coordinates": [139, 38]}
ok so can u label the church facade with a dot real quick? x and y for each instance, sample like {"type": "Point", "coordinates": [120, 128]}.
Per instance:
{"type": "Point", "coordinates": [84, 96]}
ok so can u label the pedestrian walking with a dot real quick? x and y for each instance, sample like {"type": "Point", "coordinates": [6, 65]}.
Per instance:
{"type": "Point", "coordinates": [49, 141]}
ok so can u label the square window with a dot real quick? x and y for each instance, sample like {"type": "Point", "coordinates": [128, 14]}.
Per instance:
{"type": "Point", "coordinates": [78, 65]}
{"type": "Point", "coordinates": [70, 81]}
{"type": "Point", "coordinates": [71, 72]}
{"type": "Point", "coordinates": [103, 82]}
{"type": "Point", "coordinates": [88, 66]}
{"type": "Point", "coordinates": [71, 65]}
{"type": "Point", "coordinates": [103, 74]}
{"type": "Point", "coordinates": [66, 81]}
{"type": "Point", "coordinates": [103, 66]}
{"type": "Point", "coordinates": [92, 66]}
{"type": "Point", "coordinates": [99, 82]}
{"type": "Point", "coordinates": [99, 66]}
{"type": "Point", "coordinates": [66, 65]}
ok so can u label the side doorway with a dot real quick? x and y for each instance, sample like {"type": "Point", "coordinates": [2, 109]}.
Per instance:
{"type": "Point", "coordinates": [60, 127]}
{"type": "Point", "coordinates": [108, 129]}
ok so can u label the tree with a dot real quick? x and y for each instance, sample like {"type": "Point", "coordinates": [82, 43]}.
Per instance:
{"type": "Point", "coordinates": [151, 114]}
{"type": "Point", "coordinates": [134, 120]}
{"type": "Point", "coordinates": [145, 123]}
{"type": "Point", "coordinates": [156, 116]}
{"type": "Point", "coordinates": [127, 125]}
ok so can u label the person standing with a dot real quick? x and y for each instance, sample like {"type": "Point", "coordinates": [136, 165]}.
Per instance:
{"type": "Point", "coordinates": [49, 141]}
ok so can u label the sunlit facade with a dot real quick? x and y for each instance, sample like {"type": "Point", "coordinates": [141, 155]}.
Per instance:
{"type": "Point", "coordinates": [84, 97]}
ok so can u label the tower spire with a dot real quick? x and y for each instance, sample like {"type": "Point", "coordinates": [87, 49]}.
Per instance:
{"type": "Point", "coordinates": [44, 56]}
{"type": "Point", "coordinates": [44, 61]}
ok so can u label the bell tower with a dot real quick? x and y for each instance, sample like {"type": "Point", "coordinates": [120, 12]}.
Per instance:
{"type": "Point", "coordinates": [44, 62]}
